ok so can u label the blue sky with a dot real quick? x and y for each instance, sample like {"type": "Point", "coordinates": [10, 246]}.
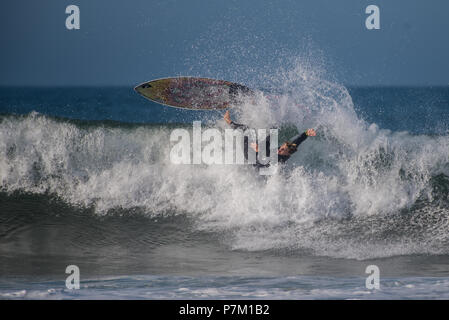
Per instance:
{"type": "Point", "coordinates": [127, 42]}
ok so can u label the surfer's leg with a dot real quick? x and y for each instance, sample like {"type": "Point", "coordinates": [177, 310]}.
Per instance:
{"type": "Point", "coordinates": [245, 147]}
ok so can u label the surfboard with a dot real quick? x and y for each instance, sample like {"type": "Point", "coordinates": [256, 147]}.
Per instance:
{"type": "Point", "coordinates": [194, 93]}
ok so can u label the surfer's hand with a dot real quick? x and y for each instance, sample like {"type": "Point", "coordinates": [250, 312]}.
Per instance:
{"type": "Point", "coordinates": [227, 117]}
{"type": "Point", "coordinates": [254, 146]}
{"type": "Point", "coordinates": [311, 132]}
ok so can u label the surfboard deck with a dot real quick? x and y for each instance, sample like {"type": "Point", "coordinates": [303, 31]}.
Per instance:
{"type": "Point", "coordinates": [194, 93]}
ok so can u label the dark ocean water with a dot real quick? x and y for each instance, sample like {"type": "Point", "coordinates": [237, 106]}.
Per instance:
{"type": "Point", "coordinates": [85, 179]}
{"type": "Point", "coordinates": [412, 109]}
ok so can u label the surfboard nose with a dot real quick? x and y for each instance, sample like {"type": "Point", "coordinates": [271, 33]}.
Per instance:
{"type": "Point", "coordinates": [141, 87]}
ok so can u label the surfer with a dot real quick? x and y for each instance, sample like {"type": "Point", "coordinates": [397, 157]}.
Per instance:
{"type": "Point", "coordinates": [284, 151]}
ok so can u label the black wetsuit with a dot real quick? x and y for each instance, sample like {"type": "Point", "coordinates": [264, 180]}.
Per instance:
{"type": "Point", "coordinates": [298, 139]}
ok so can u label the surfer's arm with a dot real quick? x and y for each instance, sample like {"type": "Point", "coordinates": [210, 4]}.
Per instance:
{"type": "Point", "coordinates": [227, 118]}
{"type": "Point", "coordinates": [298, 139]}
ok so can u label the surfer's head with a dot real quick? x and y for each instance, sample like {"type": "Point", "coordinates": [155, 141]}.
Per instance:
{"type": "Point", "coordinates": [287, 148]}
